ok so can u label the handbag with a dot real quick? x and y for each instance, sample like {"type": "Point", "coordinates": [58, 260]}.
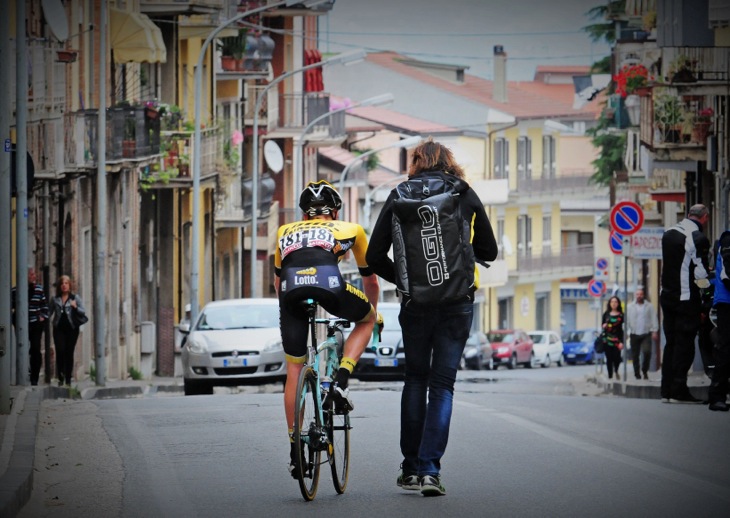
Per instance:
{"type": "Point", "coordinates": [599, 345]}
{"type": "Point", "coordinates": [79, 319]}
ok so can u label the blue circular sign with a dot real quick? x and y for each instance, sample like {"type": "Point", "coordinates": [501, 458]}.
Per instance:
{"type": "Point", "coordinates": [602, 264]}
{"type": "Point", "coordinates": [596, 288]}
{"type": "Point", "coordinates": [616, 242]}
{"type": "Point", "coordinates": [627, 218]}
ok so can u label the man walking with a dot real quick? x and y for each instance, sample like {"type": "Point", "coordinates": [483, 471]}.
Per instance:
{"type": "Point", "coordinates": [643, 331]}
{"type": "Point", "coordinates": [37, 316]}
{"type": "Point", "coordinates": [685, 251]}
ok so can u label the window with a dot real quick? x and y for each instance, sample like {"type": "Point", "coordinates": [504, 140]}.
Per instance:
{"type": "Point", "coordinates": [548, 157]}
{"type": "Point", "coordinates": [547, 233]}
{"type": "Point", "coordinates": [524, 158]}
{"type": "Point", "coordinates": [504, 315]}
{"type": "Point", "coordinates": [500, 234]}
{"type": "Point", "coordinates": [542, 310]}
{"type": "Point", "coordinates": [524, 236]}
{"type": "Point", "coordinates": [501, 158]}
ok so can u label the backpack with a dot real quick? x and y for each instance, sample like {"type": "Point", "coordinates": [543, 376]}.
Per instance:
{"type": "Point", "coordinates": [431, 241]}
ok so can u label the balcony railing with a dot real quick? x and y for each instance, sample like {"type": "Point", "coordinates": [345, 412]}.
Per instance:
{"type": "Point", "coordinates": [293, 111]}
{"type": "Point", "coordinates": [46, 81]}
{"type": "Point", "coordinates": [672, 120]}
{"type": "Point", "coordinates": [557, 185]}
{"type": "Point", "coordinates": [574, 257]}
{"type": "Point", "coordinates": [302, 107]}
{"type": "Point", "coordinates": [182, 6]}
{"type": "Point", "coordinates": [702, 65]}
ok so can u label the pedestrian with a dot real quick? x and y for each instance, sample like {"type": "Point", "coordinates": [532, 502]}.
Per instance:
{"type": "Point", "coordinates": [719, 385]}
{"type": "Point", "coordinates": [685, 251]}
{"type": "Point", "coordinates": [37, 316]}
{"type": "Point", "coordinates": [434, 335]}
{"type": "Point", "coordinates": [184, 325]}
{"type": "Point", "coordinates": [613, 333]}
{"type": "Point", "coordinates": [643, 327]}
{"type": "Point", "coordinates": [67, 317]}
{"type": "Point", "coordinates": [306, 265]}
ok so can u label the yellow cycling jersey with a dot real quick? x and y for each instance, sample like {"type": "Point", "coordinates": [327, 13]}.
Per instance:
{"type": "Point", "coordinates": [337, 237]}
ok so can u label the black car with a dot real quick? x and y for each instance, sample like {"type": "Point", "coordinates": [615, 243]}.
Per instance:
{"type": "Point", "coordinates": [386, 358]}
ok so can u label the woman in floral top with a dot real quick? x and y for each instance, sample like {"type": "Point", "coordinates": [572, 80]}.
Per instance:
{"type": "Point", "coordinates": [613, 331]}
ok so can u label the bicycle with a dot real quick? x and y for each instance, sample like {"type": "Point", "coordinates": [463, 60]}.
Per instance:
{"type": "Point", "coordinates": [318, 429]}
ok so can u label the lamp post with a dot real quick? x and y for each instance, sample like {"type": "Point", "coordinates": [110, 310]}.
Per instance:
{"type": "Point", "coordinates": [407, 142]}
{"type": "Point", "coordinates": [344, 58]}
{"type": "Point", "coordinates": [369, 198]}
{"type": "Point", "coordinates": [299, 143]}
{"type": "Point", "coordinates": [195, 245]}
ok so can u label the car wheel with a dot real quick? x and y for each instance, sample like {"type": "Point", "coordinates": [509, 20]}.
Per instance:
{"type": "Point", "coordinates": [547, 361]}
{"type": "Point", "coordinates": [512, 362]}
{"type": "Point", "coordinates": [478, 364]}
{"type": "Point", "coordinates": [560, 361]}
{"type": "Point", "coordinates": [531, 363]}
{"type": "Point", "coordinates": [491, 366]}
{"type": "Point", "coordinates": [192, 388]}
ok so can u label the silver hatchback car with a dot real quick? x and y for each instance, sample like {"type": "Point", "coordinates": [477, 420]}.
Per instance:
{"type": "Point", "coordinates": [233, 342]}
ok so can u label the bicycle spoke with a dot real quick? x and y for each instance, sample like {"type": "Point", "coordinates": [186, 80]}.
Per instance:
{"type": "Point", "coordinates": [338, 431]}
{"type": "Point", "coordinates": [307, 435]}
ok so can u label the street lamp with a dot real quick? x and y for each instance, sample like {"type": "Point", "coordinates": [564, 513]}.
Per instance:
{"type": "Point", "coordinates": [407, 142]}
{"type": "Point", "coordinates": [299, 143]}
{"type": "Point", "coordinates": [345, 58]}
{"type": "Point", "coordinates": [195, 245]}
{"type": "Point", "coordinates": [369, 197]}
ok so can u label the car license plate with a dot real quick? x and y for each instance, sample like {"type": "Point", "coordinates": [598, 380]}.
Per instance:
{"type": "Point", "coordinates": [571, 356]}
{"type": "Point", "coordinates": [234, 362]}
{"type": "Point", "coordinates": [386, 363]}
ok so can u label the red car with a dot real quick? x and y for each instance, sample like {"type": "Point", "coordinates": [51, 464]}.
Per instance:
{"type": "Point", "coordinates": [511, 347]}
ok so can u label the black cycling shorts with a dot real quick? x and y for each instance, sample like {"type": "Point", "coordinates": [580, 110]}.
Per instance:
{"type": "Point", "coordinates": [323, 284]}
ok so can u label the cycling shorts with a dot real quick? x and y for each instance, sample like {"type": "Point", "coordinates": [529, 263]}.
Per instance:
{"type": "Point", "coordinates": [323, 284]}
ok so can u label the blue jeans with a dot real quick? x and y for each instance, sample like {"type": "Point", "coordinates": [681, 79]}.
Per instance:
{"type": "Point", "coordinates": [434, 339]}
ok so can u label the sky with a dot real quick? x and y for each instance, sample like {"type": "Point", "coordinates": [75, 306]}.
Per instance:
{"type": "Point", "coordinates": [464, 32]}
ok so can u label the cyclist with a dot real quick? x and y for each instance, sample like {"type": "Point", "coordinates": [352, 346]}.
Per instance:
{"type": "Point", "coordinates": [306, 266]}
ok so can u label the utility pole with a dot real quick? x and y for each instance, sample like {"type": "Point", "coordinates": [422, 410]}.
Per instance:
{"type": "Point", "coordinates": [101, 245]}
{"type": "Point", "coordinates": [5, 251]}
{"type": "Point", "coordinates": [21, 199]}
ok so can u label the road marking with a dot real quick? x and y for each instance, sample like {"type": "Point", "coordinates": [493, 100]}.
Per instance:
{"type": "Point", "coordinates": [698, 484]}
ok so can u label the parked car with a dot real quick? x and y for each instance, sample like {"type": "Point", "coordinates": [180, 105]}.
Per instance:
{"type": "Point", "coordinates": [548, 347]}
{"type": "Point", "coordinates": [233, 342]}
{"type": "Point", "coordinates": [386, 358]}
{"type": "Point", "coordinates": [477, 352]}
{"type": "Point", "coordinates": [511, 347]}
{"type": "Point", "coordinates": [578, 346]}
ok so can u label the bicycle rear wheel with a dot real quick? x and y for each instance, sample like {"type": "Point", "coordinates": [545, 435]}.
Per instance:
{"type": "Point", "coordinates": [308, 433]}
{"type": "Point", "coordinates": [338, 432]}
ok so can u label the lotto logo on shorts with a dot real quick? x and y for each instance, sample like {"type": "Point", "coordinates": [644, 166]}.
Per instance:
{"type": "Point", "coordinates": [283, 285]}
{"type": "Point", "coordinates": [308, 271]}
{"type": "Point", "coordinates": [334, 282]}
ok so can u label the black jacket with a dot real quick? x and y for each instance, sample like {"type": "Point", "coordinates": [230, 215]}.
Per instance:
{"type": "Point", "coordinates": [681, 265]}
{"type": "Point", "coordinates": [381, 239]}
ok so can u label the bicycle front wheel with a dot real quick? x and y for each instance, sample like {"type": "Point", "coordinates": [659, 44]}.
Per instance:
{"type": "Point", "coordinates": [308, 433]}
{"type": "Point", "coordinates": [338, 432]}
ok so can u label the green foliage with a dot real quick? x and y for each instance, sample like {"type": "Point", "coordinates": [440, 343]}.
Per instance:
{"type": "Point", "coordinates": [371, 162]}
{"type": "Point", "coordinates": [605, 28]}
{"type": "Point", "coordinates": [611, 145]}
{"type": "Point", "coordinates": [233, 45]}
{"type": "Point", "coordinates": [134, 373]}
{"type": "Point", "coordinates": [92, 372]}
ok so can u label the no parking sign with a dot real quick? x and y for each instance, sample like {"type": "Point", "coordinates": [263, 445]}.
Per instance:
{"type": "Point", "coordinates": [616, 242]}
{"type": "Point", "coordinates": [627, 218]}
{"type": "Point", "coordinates": [596, 288]}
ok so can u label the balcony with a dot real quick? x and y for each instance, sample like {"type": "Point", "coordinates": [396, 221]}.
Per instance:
{"type": "Point", "coordinates": [287, 115]}
{"type": "Point", "coordinates": [46, 82]}
{"type": "Point", "coordinates": [570, 262]}
{"type": "Point", "coordinates": [553, 188]}
{"type": "Point", "coordinates": [183, 6]}
{"type": "Point", "coordinates": [696, 70]}
{"type": "Point", "coordinates": [676, 125]}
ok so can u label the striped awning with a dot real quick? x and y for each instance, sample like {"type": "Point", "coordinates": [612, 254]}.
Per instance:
{"type": "Point", "coordinates": [134, 38]}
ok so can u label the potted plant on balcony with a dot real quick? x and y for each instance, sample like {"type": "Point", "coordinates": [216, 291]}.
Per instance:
{"type": "Point", "coordinates": [668, 117]}
{"type": "Point", "coordinates": [680, 70]}
{"type": "Point", "coordinates": [701, 124]}
{"type": "Point", "coordinates": [232, 49]}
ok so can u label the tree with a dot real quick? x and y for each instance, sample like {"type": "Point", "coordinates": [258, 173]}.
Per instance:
{"type": "Point", "coordinates": [611, 144]}
{"type": "Point", "coordinates": [605, 28]}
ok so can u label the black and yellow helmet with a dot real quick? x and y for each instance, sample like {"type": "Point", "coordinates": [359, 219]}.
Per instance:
{"type": "Point", "coordinates": [319, 198]}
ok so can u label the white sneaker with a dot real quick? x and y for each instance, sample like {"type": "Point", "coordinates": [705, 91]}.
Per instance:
{"type": "Point", "coordinates": [341, 399]}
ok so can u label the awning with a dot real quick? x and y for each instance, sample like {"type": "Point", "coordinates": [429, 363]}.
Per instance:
{"type": "Point", "coordinates": [135, 38]}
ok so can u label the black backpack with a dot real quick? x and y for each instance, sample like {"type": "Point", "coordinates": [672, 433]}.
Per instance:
{"type": "Point", "coordinates": [431, 242]}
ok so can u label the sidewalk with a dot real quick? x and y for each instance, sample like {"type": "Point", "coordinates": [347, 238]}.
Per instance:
{"type": "Point", "coordinates": [18, 429]}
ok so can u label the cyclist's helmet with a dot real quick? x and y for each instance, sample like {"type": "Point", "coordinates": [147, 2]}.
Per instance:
{"type": "Point", "coordinates": [319, 198]}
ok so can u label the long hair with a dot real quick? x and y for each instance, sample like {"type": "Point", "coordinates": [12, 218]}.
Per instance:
{"type": "Point", "coordinates": [432, 156]}
{"type": "Point", "coordinates": [60, 281]}
{"type": "Point", "coordinates": [608, 305]}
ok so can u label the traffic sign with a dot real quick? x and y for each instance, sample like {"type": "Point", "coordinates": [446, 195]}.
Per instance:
{"type": "Point", "coordinates": [601, 263]}
{"type": "Point", "coordinates": [626, 218]}
{"type": "Point", "coordinates": [596, 288]}
{"type": "Point", "coordinates": [616, 242]}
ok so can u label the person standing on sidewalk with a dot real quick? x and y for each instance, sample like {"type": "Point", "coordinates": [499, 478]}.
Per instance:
{"type": "Point", "coordinates": [643, 331]}
{"type": "Point", "coordinates": [613, 332]}
{"type": "Point", "coordinates": [434, 334]}
{"type": "Point", "coordinates": [67, 316]}
{"type": "Point", "coordinates": [685, 251]}
{"type": "Point", "coordinates": [37, 316]}
{"type": "Point", "coordinates": [719, 385]}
